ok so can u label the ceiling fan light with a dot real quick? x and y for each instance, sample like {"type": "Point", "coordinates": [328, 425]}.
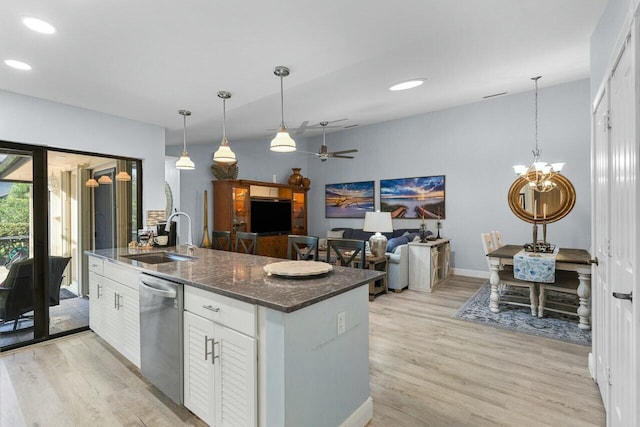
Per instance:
{"type": "Point", "coordinates": [283, 143]}
{"type": "Point", "coordinates": [184, 162]}
{"type": "Point", "coordinates": [224, 153]}
{"type": "Point", "coordinates": [104, 179]}
{"type": "Point", "coordinates": [92, 183]}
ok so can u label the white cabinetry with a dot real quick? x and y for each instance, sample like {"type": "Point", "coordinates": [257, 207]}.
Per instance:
{"type": "Point", "coordinates": [428, 264]}
{"type": "Point", "coordinates": [114, 306]}
{"type": "Point", "coordinates": [220, 359]}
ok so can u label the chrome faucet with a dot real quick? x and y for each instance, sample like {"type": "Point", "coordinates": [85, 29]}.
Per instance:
{"type": "Point", "coordinates": [190, 245]}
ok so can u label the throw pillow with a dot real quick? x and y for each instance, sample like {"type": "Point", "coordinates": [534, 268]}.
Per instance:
{"type": "Point", "coordinates": [392, 244]}
{"type": "Point", "coordinates": [335, 234]}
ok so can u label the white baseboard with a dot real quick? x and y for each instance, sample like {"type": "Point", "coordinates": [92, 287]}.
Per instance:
{"type": "Point", "coordinates": [470, 273]}
{"type": "Point", "coordinates": [592, 367]}
{"type": "Point", "coordinates": [361, 416]}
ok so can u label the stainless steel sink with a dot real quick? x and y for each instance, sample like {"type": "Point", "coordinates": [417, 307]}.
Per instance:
{"type": "Point", "coordinates": [159, 257]}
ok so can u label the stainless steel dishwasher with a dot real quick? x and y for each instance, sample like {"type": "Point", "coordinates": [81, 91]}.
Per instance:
{"type": "Point", "coordinates": [161, 360]}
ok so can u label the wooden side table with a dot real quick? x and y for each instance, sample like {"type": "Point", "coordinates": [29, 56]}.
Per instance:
{"type": "Point", "coordinates": [380, 263]}
{"type": "Point", "coordinates": [381, 285]}
{"type": "Point", "coordinates": [428, 264]}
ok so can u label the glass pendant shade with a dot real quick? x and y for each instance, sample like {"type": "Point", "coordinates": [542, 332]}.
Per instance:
{"type": "Point", "coordinates": [283, 143]}
{"type": "Point", "coordinates": [224, 153]}
{"type": "Point", "coordinates": [91, 183]}
{"type": "Point", "coordinates": [123, 176]}
{"type": "Point", "coordinates": [184, 162]}
{"type": "Point", "coordinates": [104, 179]}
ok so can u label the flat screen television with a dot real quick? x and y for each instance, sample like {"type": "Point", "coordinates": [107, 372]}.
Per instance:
{"type": "Point", "coordinates": [271, 216]}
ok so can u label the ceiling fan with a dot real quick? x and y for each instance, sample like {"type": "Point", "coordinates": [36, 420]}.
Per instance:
{"type": "Point", "coordinates": [324, 152]}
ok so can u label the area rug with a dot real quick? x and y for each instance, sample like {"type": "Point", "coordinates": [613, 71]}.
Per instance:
{"type": "Point", "coordinates": [66, 294]}
{"type": "Point", "coordinates": [519, 319]}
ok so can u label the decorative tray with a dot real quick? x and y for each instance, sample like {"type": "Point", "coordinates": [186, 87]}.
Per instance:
{"type": "Point", "coordinates": [297, 268]}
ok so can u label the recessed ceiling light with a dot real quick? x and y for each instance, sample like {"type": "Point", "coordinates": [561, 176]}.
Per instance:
{"type": "Point", "coordinates": [409, 84]}
{"type": "Point", "coordinates": [38, 25]}
{"type": "Point", "coordinates": [18, 65]}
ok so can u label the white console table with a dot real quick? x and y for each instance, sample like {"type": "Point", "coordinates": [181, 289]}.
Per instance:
{"type": "Point", "coordinates": [428, 264]}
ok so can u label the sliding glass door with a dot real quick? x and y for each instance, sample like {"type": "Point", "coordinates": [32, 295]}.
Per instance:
{"type": "Point", "coordinates": [54, 205]}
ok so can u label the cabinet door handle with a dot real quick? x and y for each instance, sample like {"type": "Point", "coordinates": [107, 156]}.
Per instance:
{"type": "Point", "coordinates": [119, 304]}
{"type": "Point", "coordinates": [115, 300]}
{"type": "Point", "coordinates": [98, 294]}
{"type": "Point", "coordinates": [213, 352]}
{"type": "Point", "coordinates": [211, 308]}
{"type": "Point", "coordinates": [206, 348]}
{"type": "Point", "coordinates": [621, 295]}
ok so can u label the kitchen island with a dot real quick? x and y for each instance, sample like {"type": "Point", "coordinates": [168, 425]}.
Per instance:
{"type": "Point", "coordinates": [304, 342]}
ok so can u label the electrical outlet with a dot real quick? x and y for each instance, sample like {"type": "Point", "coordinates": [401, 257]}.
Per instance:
{"type": "Point", "coordinates": [342, 323]}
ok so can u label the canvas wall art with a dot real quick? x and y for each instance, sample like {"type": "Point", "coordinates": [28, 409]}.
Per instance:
{"type": "Point", "coordinates": [349, 200]}
{"type": "Point", "coordinates": [417, 198]}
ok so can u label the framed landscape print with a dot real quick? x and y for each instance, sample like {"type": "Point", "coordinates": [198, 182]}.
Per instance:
{"type": "Point", "coordinates": [349, 200]}
{"type": "Point", "coordinates": [413, 197]}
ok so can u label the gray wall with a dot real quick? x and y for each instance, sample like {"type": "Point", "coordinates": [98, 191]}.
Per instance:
{"type": "Point", "coordinates": [474, 146]}
{"type": "Point", "coordinates": [603, 38]}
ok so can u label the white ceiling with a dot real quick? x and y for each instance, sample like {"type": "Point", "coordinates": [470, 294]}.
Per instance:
{"type": "Point", "coordinates": [146, 59]}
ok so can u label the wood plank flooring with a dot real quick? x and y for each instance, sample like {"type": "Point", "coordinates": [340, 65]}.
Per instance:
{"type": "Point", "coordinates": [427, 369]}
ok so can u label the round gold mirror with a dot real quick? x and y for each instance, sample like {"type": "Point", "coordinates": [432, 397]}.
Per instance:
{"type": "Point", "coordinates": [530, 205]}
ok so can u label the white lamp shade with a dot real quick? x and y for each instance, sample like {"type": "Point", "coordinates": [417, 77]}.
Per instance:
{"type": "Point", "coordinates": [379, 222]}
{"type": "Point", "coordinates": [224, 153]}
{"type": "Point", "coordinates": [283, 143]}
{"type": "Point", "coordinates": [557, 166]}
{"type": "Point", "coordinates": [184, 162]}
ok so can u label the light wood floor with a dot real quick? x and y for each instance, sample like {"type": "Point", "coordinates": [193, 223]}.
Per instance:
{"type": "Point", "coordinates": [427, 369]}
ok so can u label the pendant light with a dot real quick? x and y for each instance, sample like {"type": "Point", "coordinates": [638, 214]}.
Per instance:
{"type": "Point", "coordinates": [282, 143]}
{"type": "Point", "coordinates": [539, 174]}
{"type": "Point", "coordinates": [184, 162]}
{"type": "Point", "coordinates": [92, 183]}
{"type": "Point", "coordinates": [105, 179]}
{"type": "Point", "coordinates": [224, 153]}
{"type": "Point", "coordinates": [123, 176]}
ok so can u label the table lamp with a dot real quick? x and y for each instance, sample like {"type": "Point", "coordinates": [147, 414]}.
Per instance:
{"type": "Point", "coordinates": [378, 222]}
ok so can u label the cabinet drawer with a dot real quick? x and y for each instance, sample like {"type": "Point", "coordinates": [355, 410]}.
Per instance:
{"type": "Point", "coordinates": [121, 274]}
{"type": "Point", "coordinates": [96, 264]}
{"type": "Point", "coordinates": [232, 313]}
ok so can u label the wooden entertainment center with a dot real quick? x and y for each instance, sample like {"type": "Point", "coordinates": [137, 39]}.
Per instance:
{"type": "Point", "coordinates": [232, 211]}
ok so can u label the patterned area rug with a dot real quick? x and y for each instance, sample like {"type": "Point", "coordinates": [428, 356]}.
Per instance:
{"type": "Point", "coordinates": [519, 319]}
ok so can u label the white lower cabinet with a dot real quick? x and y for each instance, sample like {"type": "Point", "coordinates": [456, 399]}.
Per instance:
{"type": "Point", "coordinates": [114, 307]}
{"type": "Point", "coordinates": [220, 363]}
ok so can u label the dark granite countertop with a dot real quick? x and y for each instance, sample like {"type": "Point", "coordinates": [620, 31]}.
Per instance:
{"type": "Point", "coordinates": [242, 277]}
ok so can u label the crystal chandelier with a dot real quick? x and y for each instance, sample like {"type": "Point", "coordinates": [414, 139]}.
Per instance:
{"type": "Point", "coordinates": [540, 173]}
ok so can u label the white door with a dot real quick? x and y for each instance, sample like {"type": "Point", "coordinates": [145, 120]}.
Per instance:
{"type": "Point", "coordinates": [623, 194]}
{"type": "Point", "coordinates": [601, 241]}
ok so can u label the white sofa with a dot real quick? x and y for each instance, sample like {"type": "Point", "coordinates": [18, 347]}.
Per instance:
{"type": "Point", "coordinates": [398, 269]}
